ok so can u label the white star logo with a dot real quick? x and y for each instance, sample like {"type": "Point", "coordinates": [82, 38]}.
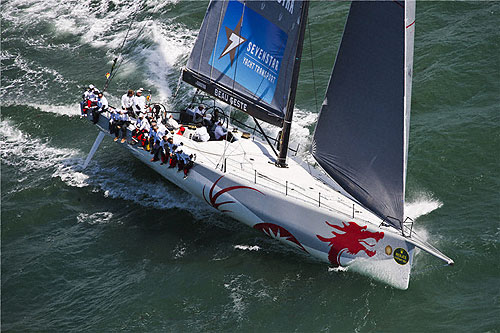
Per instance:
{"type": "Point", "coordinates": [233, 41]}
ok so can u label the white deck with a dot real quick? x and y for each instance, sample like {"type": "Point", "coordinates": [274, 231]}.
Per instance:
{"type": "Point", "coordinates": [253, 160]}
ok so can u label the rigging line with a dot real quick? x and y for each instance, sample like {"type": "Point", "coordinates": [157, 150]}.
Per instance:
{"type": "Point", "coordinates": [216, 41]}
{"type": "Point", "coordinates": [134, 40]}
{"type": "Point", "coordinates": [237, 55]}
{"type": "Point", "coordinates": [109, 78]}
{"type": "Point", "coordinates": [226, 144]}
{"type": "Point", "coordinates": [265, 136]}
{"type": "Point", "coordinates": [312, 65]}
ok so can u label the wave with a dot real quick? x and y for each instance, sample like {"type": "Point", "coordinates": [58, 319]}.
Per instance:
{"type": "Point", "coordinates": [31, 155]}
{"type": "Point", "coordinates": [247, 247]}
{"type": "Point", "coordinates": [28, 154]}
{"type": "Point", "coordinates": [151, 54]}
{"type": "Point", "coordinates": [421, 204]}
{"type": "Point", "coordinates": [120, 183]}
{"type": "Point", "coordinates": [95, 218]}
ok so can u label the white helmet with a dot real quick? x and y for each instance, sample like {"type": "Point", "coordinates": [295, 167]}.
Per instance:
{"type": "Point", "coordinates": [91, 86]}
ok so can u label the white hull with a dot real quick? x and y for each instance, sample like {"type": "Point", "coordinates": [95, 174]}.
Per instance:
{"type": "Point", "coordinates": [298, 207]}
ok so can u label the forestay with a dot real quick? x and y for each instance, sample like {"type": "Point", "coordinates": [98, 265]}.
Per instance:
{"type": "Point", "coordinates": [361, 135]}
{"type": "Point", "coordinates": [244, 55]}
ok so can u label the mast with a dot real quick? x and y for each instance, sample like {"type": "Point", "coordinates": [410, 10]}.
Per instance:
{"type": "Point", "coordinates": [287, 122]}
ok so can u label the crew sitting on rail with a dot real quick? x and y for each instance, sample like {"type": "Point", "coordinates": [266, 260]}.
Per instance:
{"type": "Point", "coordinates": [85, 103]}
{"type": "Point", "coordinates": [140, 131]}
{"type": "Point", "coordinates": [188, 164]}
{"type": "Point", "coordinates": [201, 133]}
{"type": "Point", "coordinates": [156, 145]}
{"type": "Point", "coordinates": [166, 146]}
{"type": "Point", "coordinates": [151, 135]}
{"type": "Point", "coordinates": [128, 102]}
{"type": "Point", "coordinates": [174, 155]}
{"type": "Point", "coordinates": [158, 133]}
{"type": "Point", "coordinates": [113, 118]}
{"type": "Point", "coordinates": [184, 161]}
{"type": "Point", "coordinates": [162, 130]}
{"type": "Point", "coordinates": [102, 106]}
{"type": "Point", "coordinates": [139, 101]}
{"type": "Point", "coordinates": [121, 125]}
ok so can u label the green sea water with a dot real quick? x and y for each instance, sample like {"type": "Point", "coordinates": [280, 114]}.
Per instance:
{"type": "Point", "coordinates": [117, 248]}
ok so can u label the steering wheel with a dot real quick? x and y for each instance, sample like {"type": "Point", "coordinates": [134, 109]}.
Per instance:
{"type": "Point", "coordinates": [222, 115]}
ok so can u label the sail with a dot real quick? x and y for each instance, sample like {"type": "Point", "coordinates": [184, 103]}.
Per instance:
{"type": "Point", "coordinates": [244, 55]}
{"type": "Point", "coordinates": [361, 135]}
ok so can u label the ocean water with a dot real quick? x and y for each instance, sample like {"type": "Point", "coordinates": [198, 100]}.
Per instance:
{"type": "Point", "coordinates": [116, 247]}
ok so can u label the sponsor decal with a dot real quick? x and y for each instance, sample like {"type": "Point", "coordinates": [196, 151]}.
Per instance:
{"type": "Point", "coordinates": [280, 233]}
{"type": "Point", "coordinates": [401, 256]}
{"type": "Point", "coordinates": [388, 250]}
{"type": "Point", "coordinates": [212, 198]}
{"type": "Point", "coordinates": [287, 4]}
{"type": "Point", "coordinates": [230, 99]}
{"type": "Point", "coordinates": [350, 238]}
{"type": "Point", "coordinates": [249, 49]}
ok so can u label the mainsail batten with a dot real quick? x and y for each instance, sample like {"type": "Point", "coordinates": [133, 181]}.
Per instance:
{"type": "Point", "coordinates": [244, 55]}
{"type": "Point", "coordinates": [360, 135]}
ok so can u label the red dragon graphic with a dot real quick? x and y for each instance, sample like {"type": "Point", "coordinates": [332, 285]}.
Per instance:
{"type": "Point", "coordinates": [352, 240]}
{"type": "Point", "coordinates": [213, 198]}
{"type": "Point", "coordinates": [278, 232]}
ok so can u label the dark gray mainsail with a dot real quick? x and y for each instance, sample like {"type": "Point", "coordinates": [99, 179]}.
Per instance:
{"type": "Point", "coordinates": [360, 138]}
{"type": "Point", "coordinates": [244, 55]}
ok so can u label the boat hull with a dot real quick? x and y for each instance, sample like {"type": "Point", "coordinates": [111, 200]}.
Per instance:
{"type": "Point", "coordinates": [332, 237]}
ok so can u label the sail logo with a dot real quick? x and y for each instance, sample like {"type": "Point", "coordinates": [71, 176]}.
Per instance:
{"type": "Point", "coordinates": [287, 4]}
{"type": "Point", "coordinates": [233, 41]}
{"type": "Point", "coordinates": [249, 50]}
{"type": "Point", "coordinates": [350, 239]}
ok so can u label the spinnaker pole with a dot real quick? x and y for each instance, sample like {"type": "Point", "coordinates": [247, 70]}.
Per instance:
{"type": "Point", "coordinates": [287, 122]}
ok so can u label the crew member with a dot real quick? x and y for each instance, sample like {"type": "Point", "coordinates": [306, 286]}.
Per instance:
{"type": "Point", "coordinates": [158, 133]}
{"type": "Point", "coordinates": [201, 133]}
{"type": "Point", "coordinates": [102, 106]}
{"type": "Point", "coordinates": [172, 124]}
{"type": "Point", "coordinates": [114, 116]}
{"type": "Point", "coordinates": [187, 162]}
{"type": "Point", "coordinates": [141, 129]}
{"type": "Point", "coordinates": [199, 114]}
{"type": "Point", "coordinates": [121, 126]}
{"type": "Point", "coordinates": [151, 135]}
{"type": "Point", "coordinates": [139, 101]}
{"type": "Point", "coordinates": [85, 104]}
{"type": "Point", "coordinates": [128, 102]}
{"type": "Point", "coordinates": [164, 149]}
{"type": "Point", "coordinates": [175, 155]}
{"type": "Point", "coordinates": [220, 132]}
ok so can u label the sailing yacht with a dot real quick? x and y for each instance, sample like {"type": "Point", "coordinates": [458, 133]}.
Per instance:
{"type": "Point", "coordinates": [346, 209]}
